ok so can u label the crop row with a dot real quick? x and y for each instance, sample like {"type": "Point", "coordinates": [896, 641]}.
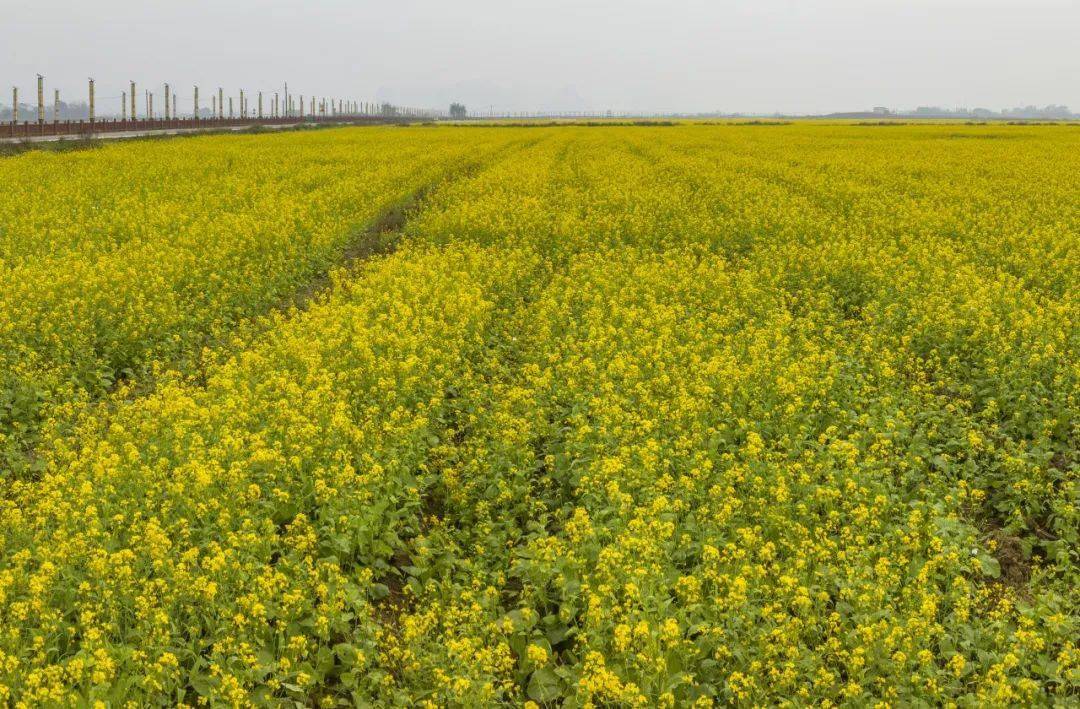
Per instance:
{"type": "Point", "coordinates": [119, 260]}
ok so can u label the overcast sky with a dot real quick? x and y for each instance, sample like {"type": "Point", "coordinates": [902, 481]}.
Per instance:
{"type": "Point", "coordinates": [650, 55]}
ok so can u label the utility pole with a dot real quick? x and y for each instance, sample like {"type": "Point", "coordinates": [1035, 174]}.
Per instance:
{"type": "Point", "coordinates": [40, 99]}
{"type": "Point", "coordinates": [220, 103]}
{"type": "Point", "coordinates": [91, 101]}
{"type": "Point", "coordinates": [260, 105]}
{"type": "Point", "coordinates": [213, 106]}
{"type": "Point", "coordinates": [123, 106]}
{"type": "Point", "coordinates": [133, 100]}
{"type": "Point", "coordinates": [196, 103]}
{"type": "Point", "coordinates": [288, 106]}
{"type": "Point", "coordinates": [56, 106]}
{"type": "Point", "coordinates": [14, 105]}
{"type": "Point", "coordinates": [230, 107]}
{"type": "Point", "coordinates": [166, 102]}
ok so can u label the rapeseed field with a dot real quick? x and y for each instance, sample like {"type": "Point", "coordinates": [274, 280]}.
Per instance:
{"type": "Point", "coordinates": [121, 260]}
{"type": "Point", "coordinates": [691, 415]}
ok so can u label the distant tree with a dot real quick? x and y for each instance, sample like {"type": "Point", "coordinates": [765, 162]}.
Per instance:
{"type": "Point", "coordinates": [457, 110]}
{"type": "Point", "coordinates": [389, 109]}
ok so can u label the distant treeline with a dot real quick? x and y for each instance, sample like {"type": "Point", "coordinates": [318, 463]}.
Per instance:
{"type": "Point", "coordinates": [1051, 112]}
{"type": "Point", "coordinates": [67, 112]}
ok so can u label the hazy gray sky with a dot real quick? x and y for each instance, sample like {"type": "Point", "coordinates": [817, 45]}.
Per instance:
{"type": "Point", "coordinates": [749, 56]}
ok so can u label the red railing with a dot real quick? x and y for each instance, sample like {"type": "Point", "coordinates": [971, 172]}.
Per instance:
{"type": "Point", "coordinates": [28, 129]}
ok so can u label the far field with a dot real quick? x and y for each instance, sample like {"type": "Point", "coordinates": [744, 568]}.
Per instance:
{"type": "Point", "coordinates": [683, 415]}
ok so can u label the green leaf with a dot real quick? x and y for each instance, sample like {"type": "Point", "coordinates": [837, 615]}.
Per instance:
{"type": "Point", "coordinates": [544, 686]}
{"type": "Point", "coordinates": [202, 684]}
{"type": "Point", "coordinates": [990, 566]}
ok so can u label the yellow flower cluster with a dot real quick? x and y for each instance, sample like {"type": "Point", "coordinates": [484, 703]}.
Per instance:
{"type": "Point", "coordinates": [635, 416]}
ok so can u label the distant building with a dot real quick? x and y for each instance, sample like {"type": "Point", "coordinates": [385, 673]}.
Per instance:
{"type": "Point", "coordinates": [881, 111]}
